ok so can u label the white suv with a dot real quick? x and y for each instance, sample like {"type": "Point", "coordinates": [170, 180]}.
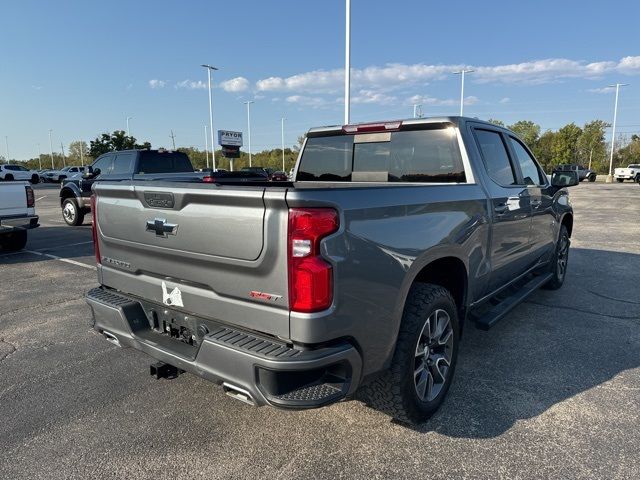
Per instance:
{"type": "Point", "coordinates": [18, 172]}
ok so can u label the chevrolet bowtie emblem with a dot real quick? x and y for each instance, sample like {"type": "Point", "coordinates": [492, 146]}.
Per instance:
{"type": "Point", "coordinates": [161, 227]}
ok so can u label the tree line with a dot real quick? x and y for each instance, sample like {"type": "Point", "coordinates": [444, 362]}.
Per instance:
{"type": "Point", "coordinates": [569, 144]}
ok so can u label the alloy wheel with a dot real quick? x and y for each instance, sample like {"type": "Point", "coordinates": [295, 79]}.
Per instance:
{"type": "Point", "coordinates": [433, 355]}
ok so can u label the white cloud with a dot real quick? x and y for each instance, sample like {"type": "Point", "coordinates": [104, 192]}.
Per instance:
{"type": "Point", "coordinates": [314, 102]}
{"type": "Point", "coordinates": [427, 100]}
{"type": "Point", "coordinates": [155, 83]}
{"type": "Point", "coordinates": [237, 84]}
{"type": "Point", "coordinates": [191, 84]}
{"type": "Point", "coordinates": [505, 100]}
{"type": "Point", "coordinates": [601, 90]}
{"type": "Point", "coordinates": [371, 96]}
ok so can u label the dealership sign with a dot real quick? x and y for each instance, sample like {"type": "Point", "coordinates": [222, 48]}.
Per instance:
{"type": "Point", "coordinates": [228, 138]}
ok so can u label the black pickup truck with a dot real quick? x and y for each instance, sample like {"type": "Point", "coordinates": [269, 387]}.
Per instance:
{"type": "Point", "coordinates": [75, 193]}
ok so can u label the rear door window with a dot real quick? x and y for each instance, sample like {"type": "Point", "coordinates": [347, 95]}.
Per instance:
{"type": "Point", "coordinates": [123, 163]}
{"type": "Point", "coordinates": [163, 162]}
{"type": "Point", "coordinates": [495, 157]}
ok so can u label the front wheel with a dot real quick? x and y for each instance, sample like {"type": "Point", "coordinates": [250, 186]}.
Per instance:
{"type": "Point", "coordinates": [560, 260]}
{"type": "Point", "coordinates": [71, 212]}
{"type": "Point", "coordinates": [14, 241]}
{"type": "Point", "coordinates": [35, 179]}
{"type": "Point", "coordinates": [619, 180]}
{"type": "Point", "coordinates": [592, 178]}
{"type": "Point", "coordinates": [424, 360]}
{"type": "Point", "coordinates": [8, 178]}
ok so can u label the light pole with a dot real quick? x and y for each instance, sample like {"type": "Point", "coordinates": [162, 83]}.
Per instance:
{"type": "Point", "coordinates": [347, 63]}
{"type": "Point", "coordinates": [462, 73]}
{"type": "Point", "coordinates": [282, 138]}
{"type": "Point", "coordinates": [81, 143]}
{"type": "Point", "coordinates": [128, 131]}
{"type": "Point", "coordinates": [39, 157]}
{"type": "Point", "coordinates": [51, 150]}
{"type": "Point", "coordinates": [206, 144]}
{"type": "Point", "coordinates": [613, 132]}
{"type": "Point", "coordinates": [248, 104]}
{"type": "Point", "coordinates": [6, 143]}
{"type": "Point", "coordinates": [64, 162]}
{"type": "Point", "coordinates": [213, 148]}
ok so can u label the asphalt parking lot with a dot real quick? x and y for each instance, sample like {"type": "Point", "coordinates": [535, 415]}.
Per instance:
{"type": "Point", "coordinates": [552, 391]}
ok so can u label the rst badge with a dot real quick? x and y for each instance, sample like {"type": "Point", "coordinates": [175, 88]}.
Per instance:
{"type": "Point", "coordinates": [269, 297]}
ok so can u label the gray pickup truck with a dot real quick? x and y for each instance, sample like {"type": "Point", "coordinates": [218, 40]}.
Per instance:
{"type": "Point", "coordinates": [351, 281]}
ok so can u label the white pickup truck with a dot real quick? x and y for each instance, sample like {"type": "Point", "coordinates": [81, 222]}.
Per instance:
{"type": "Point", "coordinates": [17, 215]}
{"type": "Point", "coordinates": [632, 172]}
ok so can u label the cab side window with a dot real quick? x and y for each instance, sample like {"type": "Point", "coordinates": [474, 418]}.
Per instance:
{"type": "Point", "coordinates": [123, 163]}
{"type": "Point", "coordinates": [530, 171]}
{"type": "Point", "coordinates": [495, 157]}
{"type": "Point", "coordinates": [105, 164]}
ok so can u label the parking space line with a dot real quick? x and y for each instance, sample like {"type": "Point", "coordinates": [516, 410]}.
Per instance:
{"type": "Point", "coordinates": [66, 260]}
{"type": "Point", "coordinates": [40, 198]}
{"type": "Point", "coordinates": [70, 245]}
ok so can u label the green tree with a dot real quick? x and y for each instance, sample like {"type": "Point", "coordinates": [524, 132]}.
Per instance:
{"type": "Point", "coordinates": [500, 123]}
{"type": "Point", "coordinates": [79, 153]}
{"type": "Point", "coordinates": [543, 150]}
{"type": "Point", "coordinates": [628, 153]}
{"type": "Point", "coordinates": [527, 130]}
{"type": "Point", "coordinates": [565, 144]}
{"type": "Point", "coordinates": [592, 146]}
{"type": "Point", "coordinates": [110, 142]}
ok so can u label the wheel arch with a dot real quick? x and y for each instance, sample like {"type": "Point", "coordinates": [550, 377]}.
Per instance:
{"type": "Point", "coordinates": [67, 192]}
{"type": "Point", "coordinates": [567, 221]}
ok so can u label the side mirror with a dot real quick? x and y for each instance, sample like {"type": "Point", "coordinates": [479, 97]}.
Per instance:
{"type": "Point", "coordinates": [90, 173]}
{"type": "Point", "coordinates": [562, 179]}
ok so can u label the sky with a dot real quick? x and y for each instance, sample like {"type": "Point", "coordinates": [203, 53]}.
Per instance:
{"type": "Point", "coordinates": [80, 68]}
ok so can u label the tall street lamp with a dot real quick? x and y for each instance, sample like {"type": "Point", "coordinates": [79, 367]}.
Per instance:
{"type": "Point", "coordinates": [206, 144]}
{"type": "Point", "coordinates": [613, 132]}
{"type": "Point", "coordinates": [462, 73]}
{"type": "Point", "coordinates": [6, 143]}
{"type": "Point", "coordinates": [282, 138]}
{"type": "Point", "coordinates": [213, 148]}
{"type": "Point", "coordinates": [347, 62]}
{"type": "Point", "coordinates": [248, 104]}
{"type": "Point", "coordinates": [128, 131]}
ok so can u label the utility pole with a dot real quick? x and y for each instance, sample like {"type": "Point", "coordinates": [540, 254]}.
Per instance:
{"type": "Point", "coordinates": [173, 139]}
{"type": "Point", "coordinates": [6, 142]}
{"type": "Point", "coordinates": [213, 148]}
{"type": "Point", "coordinates": [347, 63]}
{"type": "Point", "coordinates": [64, 162]}
{"type": "Point", "coordinates": [461, 73]}
{"type": "Point", "coordinates": [282, 138]}
{"type": "Point", "coordinates": [81, 143]}
{"type": "Point", "coordinates": [206, 144]}
{"type": "Point", "coordinates": [51, 150]}
{"type": "Point", "coordinates": [613, 132]}
{"type": "Point", "coordinates": [39, 157]}
{"type": "Point", "coordinates": [248, 104]}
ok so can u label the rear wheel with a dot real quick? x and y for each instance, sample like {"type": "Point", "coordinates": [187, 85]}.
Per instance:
{"type": "Point", "coordinates": [35, 179]}
{"type": "Point", "coordinates": [8, 177]}
{"type": "Point", "coordinates": [13, 241]}
{"type": "Point", "coordinates": [71, 213]}
{"type": "Point", "coordinates": [620, 180]}
{"type": "Point", "coordinates": [424, 361]}
{"type": "Point", "coordinates": [560, 260]}
{"type": "Point", "coordinates": [592, 178]}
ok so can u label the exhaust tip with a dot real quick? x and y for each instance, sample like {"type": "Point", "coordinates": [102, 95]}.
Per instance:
{"type": "Point", "coordinates": [238, 394]}
{"type": "Point", "coordinates": [110, 337]}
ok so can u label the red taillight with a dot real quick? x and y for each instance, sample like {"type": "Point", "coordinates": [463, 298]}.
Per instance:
{"type": "Point", "coordinates": [94, 228]}
{"type": "Point", "coordinates": [31, 201]}
{"type": "Point", "coordinates": [310, 276]}
{"type": "Point", "coordinates": [208, 179]}
{"type": "Point", "coordinates": [372, 127]}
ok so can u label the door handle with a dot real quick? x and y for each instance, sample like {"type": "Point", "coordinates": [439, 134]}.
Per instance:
{"type": "Point", "coordinates": [501, 209]}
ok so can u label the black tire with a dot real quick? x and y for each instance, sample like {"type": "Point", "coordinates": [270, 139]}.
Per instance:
{"type": "Point", "coordinates": [396, 391]}
{"type": "Point", "coordinates": [592, 178]}
{"type": "Point", "coordinates": [8, 177]}
{"type": "Point", "coordinates": [61, 178]}
{"type": "Point", "coordinates": [560, 260]}
{"type": "Point", "coordinates": [13, 241]}
{"type": "Point", "coordinates": [72, 214]}
{"type": "Point", "coordinates": [35, 179]}
{"type": "Point", "coordinates": [619, 180]}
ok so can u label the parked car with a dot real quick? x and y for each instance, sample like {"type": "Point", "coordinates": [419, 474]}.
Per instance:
{"type": "Point", "coordinates": [357, 277]}
{"type": "Point", "coordinates": [123, 165]}
{"type": "Point", "coordinates": [57, 176]}
{"type": "Point", "coordinates": [267, 170]}
{"type": "Point", "coordinates": [632, 172]}
{"type": "Point", "coordinates": [17, 214]}
{"type": "Point", "coordinates": [584, 173]}
{"type": "Point", "coordinates": [11, 172]}
{"type": "Point", "coordinates": [279, 176]}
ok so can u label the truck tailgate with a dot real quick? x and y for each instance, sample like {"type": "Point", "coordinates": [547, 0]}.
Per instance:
{"type": "Point", "coordinates": [219, 246]}
{"type": "Point", "coordinates": [13, 199]}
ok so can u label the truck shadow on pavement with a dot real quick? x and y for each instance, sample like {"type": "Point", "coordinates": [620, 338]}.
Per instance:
{"type": "Point", "coordinates": [63, 241]}
{"type": "Point", "coordinates": [558, 345]}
